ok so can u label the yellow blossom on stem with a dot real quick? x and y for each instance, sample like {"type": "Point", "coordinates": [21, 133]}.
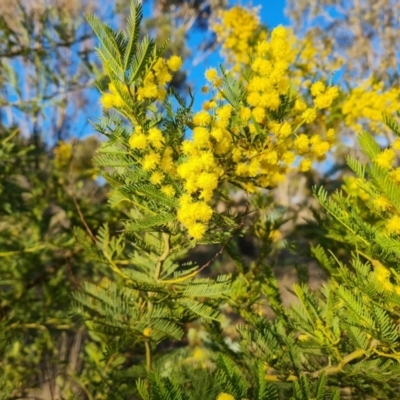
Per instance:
{"type": "Point", "coordinates": [168, 190]}
{"type": "Point", "coordinates": [156, 138]}
{"type": "Point", "coordinates": [211, 74]}
{"type": "Point", "coordinates": [202, 118]}
{"type": "Point", "coordinates": [317, 88]}
{"type": "Point", "coordinates": [157, 178]}
{"type": "Point", "coordinates": [381, 203]}
{"type": "Point", "coordinates": [386, 158]}
{"type": "Point", "coordinates": [301, 143]}
{"type": "Point", "coordinates": [201, 137]}
{"type": "Point", "coordinates": [395, 175]}
{"type": "Point", "coordinates": [138, 141]}
{"type": "Point", "coordinates": [309, 115]}
{"type": "Point", "coordinates": [330, 135]}
{"type": "Point", "coordinates": [197, 230]}
{"type": "Point", "coordinates": [150, 161]}
{"type": "Point", "coordinates": [107, 100]}
{"type": "Point", "coordinates": [147, 332]}
{"type": "Point", "coordinates": [225, 396]}
{"type": "Point", "coordinates": [174, 63]}
{"type": "Point", "coordinates": [305, 165]}
{"type": "Point", "coordinates": [393, 225]}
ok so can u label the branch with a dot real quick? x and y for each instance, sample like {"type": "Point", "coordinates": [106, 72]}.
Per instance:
{"type": "Point", "coordinates": [327, 370]}
{"type": "Point", "coordinates": [71, 189]}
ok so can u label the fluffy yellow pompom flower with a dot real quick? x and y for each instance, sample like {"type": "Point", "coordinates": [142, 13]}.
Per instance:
{"type": "Point", "coordinates": [280, 32]}
{"type": "Point", "coordinates": [381, 203]}
{"type": "Point", "coordinates": [162, 94]}
{"type": "Point", "coordinates": [259, 114]}
{"type": "Point", "coordinates": [225, 396]}
{"type": "Point", "coordinates": [138, 141]}
{"type": "Point", "coordinates": [396, 144]}
{"type": "Point", "coordinates": [107, 100]}
{"type": "Point", "coordinates": [225, 111]}
{"type": "Point", "coordinates": [283, 130]}
{"type": "Point", "coordinates": [147, 332]}
{"type": "Point", "coordinates": [395, 175]}
{"type": "Point", "coordinates": [174, 63]}
{"type": "Point", "coordinates": [197, 230]}
{"type": "Point", "coordinates": [203, 212]}
{"type": "Point", "coordinates": [156, 138]}
{"type": "Point", "coordinates": [201, 137]}
{"type": "Point", "coordinates": [148, 91]}
{"type": "Point", "coordinates": [393, 225]}
{"type": "Point", "coordinates": [324, 100]}
{"type": "Point", "coordinates": [245, 114]}
{"type": "Point", "coordinates": [242, 169]}
{"type": "Point", "coordinates": [211, 74]}
{"type": "Point", "coordinates": [202, 118]}
{"type": "Point", "coordinates": [305, 165]}
{"type": "Point", "coordinates": [320, 148]}
{"type": "Point", "coordinates": [150, 161]}
{"type": "Point", "coordinates": [253, 168]}
{"type": "Point", "coordinates": [63, 154]}
{"type": "Point", "coordinates": [330, 135]}
{"type": "Point", "coordinates": [300, 105]}
{"type": "Point", "coordinates": [301, 143]}
{"type": "Point", "coordinates": [167, 161]}
{"type": "Point", "coordinates": [207, 180]}
{"type": "Point", "coordinates": [168, 190]}
{"type": "Point", "coordinates": [157, 178]}
{"type": "Point", "coordinates": [386, 158]}
{"type": "Point", "coordinates": [288, 157]}
{"type": "Point", "coordinates": [317, 88]}
{"type": "Point", "coordinates": [208, 160]}
{"type": "Point", "coordinates": [163, 76]}
{"type": "Point", "coordinates": [309, 115]}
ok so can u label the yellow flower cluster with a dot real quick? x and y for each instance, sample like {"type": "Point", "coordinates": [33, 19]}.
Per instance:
{"type": "Point", "coordinates": [393, 225]}
{"type": "Point", "coordinates": [351, 185]}
{"type": "Point", "coordinates": [244, 145]}
{"type": "Point", "coordinates": [235, 30]}
{"type": "Point", "coordinates": [238, 30]}
{"type": "Point", "coordinates": [251, 142]}
{"type": "Point", "coordinates": [152, 86]}
{"type": "Point", "coordinates": [114, 98]}
{"type": "Point", "coordinates": [62, 154]}
{"type": "Point", "coordinates": [386, 159]}
{"type": "Point", "coordinates": [381, 203]}
{"type": "Point", "coordinates": [225, 396]}
{"type": "Point", "coordinates": [382, 277]}
{"type": "Point", "coordinates": [366, 103]}
{"type": "Point", "coordinates": [323, 96]}
{"type": "Point", "coordinates": [155, 157]}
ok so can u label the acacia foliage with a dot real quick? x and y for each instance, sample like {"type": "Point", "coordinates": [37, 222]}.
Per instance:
{"type": "Point", "coordinates": [158, 328]}
{"type": "Point", "coordinates": [343, 336]}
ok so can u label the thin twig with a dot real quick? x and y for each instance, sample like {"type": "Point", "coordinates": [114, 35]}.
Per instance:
{"type": "Point", "coordinates": [221, 250]}
{"type": "Point", "coordinates": [76, 283]}
{"type": "Point", "coordinates": [72, 192]}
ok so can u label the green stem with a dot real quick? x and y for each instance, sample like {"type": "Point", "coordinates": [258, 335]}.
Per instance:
{"type": "Point", "coordinates": [163, 256]}
{"type": "Point", "coordinates": [148, 355]}
{"type": "Point", "coordinates": [327, 370]}
{"type": "Point", "coordinates": [157, 274]}
{"type": "Point", "coordinates": [30, 250]}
